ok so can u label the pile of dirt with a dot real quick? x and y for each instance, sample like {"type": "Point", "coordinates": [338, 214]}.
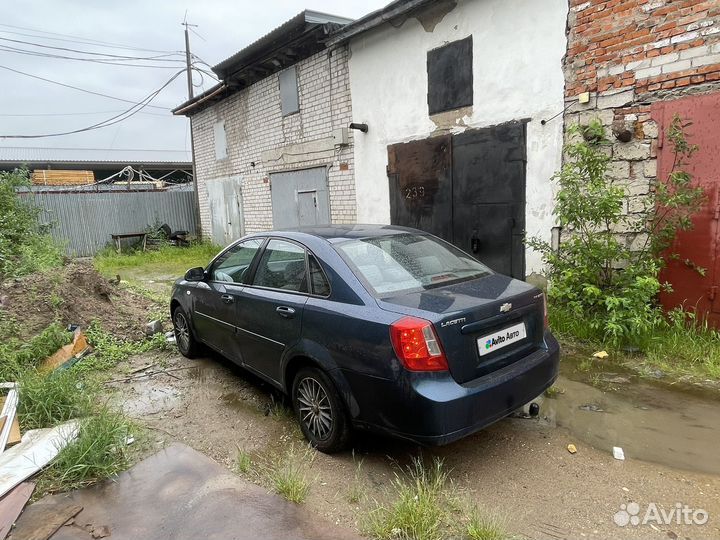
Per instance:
{"type": "Point", "coordinates": [74, 294]}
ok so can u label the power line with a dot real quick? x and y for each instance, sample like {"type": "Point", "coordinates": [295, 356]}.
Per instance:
{"type": "Point", "coordinates": [79, 113]}
{"type": "Point", "coordinates": [78, 88]}
{"type": "Point", "coordinates": [5, 48]}
{"type": "Point", "coordinates": [137, 107]}
{"type": "Point", "coordinates": [107, 56]}
{"type": "Point", "coordinates": [77, 39]}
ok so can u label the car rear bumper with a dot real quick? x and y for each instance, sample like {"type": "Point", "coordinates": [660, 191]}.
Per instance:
{"type": "Point", "coordinates": [433, 409]}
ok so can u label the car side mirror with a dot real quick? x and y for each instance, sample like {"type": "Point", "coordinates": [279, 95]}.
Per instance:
{"type": "Point", "coordinates": [195, 274]}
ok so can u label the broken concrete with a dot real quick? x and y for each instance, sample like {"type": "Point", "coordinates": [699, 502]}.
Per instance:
{"type": "Point", "coordinates": [180, 493]}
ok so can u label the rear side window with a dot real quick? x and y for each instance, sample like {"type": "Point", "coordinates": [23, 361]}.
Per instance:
{"type": "Point", "coordinates": [282, 266]}
{"type": "Point", "coordinates": [320, 285]}
{"type": "Point", "coordinates": [232, 266]}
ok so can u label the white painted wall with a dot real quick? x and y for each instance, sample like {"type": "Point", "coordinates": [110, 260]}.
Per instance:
{"type": "Point", "coordinates": [517, 73]}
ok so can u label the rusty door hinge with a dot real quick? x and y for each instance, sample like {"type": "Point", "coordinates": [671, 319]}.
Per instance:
{"type": "Point", "coordinates": [712, 291]}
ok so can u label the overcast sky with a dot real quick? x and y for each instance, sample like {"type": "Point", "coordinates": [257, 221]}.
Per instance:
{"type": "Point", "coordinates": [226, 26]}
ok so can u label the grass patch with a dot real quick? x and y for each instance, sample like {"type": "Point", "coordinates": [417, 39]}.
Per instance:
{"type": "Point", "coordinates": [243, 462]}
{"type": "Point", "coordinates": [424, 505]}
{"type": "Point", "coordinates": [165, 260]}
{"type": "Point", "coordinates": [100, 451]}
{"type": "Point", "coordinates": [47, 400]}
{"type": "Point", "coordinates": [683, 347]}
{"type": "Point", "coordinates": [18, 356]}
{"type": "Point", "coordinates": [109, 350]}
{"type": "Point", "coordinates": [288, 474]}
{"type": "Point", "coordinates": [554, 391]}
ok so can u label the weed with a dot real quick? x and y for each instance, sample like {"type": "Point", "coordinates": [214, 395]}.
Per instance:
{"type": "Point", "coordinates": [99, 452]}
{"type": "Point", "coordinates": [418, 510]}
{"type": "Point", "coordinates": [243, 462]}
{"type": "Point", "coordinates": [47, 400]}
{"type": "Point", "coordinates": [357, 491]}
{"type": "Point", "coordinates": [18, 356]}
{"type": "Point", "coordinates": [109, 350]}
{"type": "Point", "coordinates": [554, 391]}
{"type": "Point", "coordinates": [485, 526]}
{"type": "Point", "coordinates": [288, 474]}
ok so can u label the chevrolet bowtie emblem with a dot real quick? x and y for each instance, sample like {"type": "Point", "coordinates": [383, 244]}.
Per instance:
{"type": "Point", "coordinates": [505, 307]}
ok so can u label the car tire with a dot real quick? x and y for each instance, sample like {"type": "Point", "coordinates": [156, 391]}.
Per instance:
{"type": "Point", "coordinates": [320, 411]}
{"type": "Point", "coordinates": [184, 338]}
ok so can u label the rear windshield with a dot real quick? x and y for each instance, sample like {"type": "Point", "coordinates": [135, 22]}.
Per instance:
{"type": "Point", "coordinates": [408, 262]}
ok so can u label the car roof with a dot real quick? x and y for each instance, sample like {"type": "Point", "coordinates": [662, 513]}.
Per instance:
{"type": "Point", "coordinates": [339, 233]}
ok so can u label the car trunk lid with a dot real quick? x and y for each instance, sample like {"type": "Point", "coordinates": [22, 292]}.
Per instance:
{"type": "Point", "coordinates": [483, 324]}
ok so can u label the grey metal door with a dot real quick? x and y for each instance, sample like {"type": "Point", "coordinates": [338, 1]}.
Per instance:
{"type": "Point", "coordinates": [300, 198]}
{"type": "Point", "coordinates": [225, 201]}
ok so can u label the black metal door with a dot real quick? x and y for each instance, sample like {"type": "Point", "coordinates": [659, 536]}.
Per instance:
{"type": "Point", "coordinates": [467, 188]}
{"type": "Point", "coordinates": [489, 196]}
{"type": "Point", "coordinates": [420, 175]}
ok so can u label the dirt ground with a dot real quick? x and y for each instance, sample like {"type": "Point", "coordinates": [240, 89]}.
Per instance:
{"type": "Point", "coordinates": [518, 468]}
{"type": "Point", "coordinates": [74, 294]}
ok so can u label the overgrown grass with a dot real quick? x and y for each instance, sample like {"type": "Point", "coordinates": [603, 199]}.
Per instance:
{"type": "Point", "coordinates": [424, 505]}
{"type": "Point", "coordinates": [243, 462]}
{"type": "Point", "coordinates": [18, 356]}
{"type": "Point", "coordinates": [167, 259]}
{"type": "Point", "coordinates": [288, 473]}
{"type": "Point", "coordinates": [682, 347]}
{"type": "Point", "coordinates": [109, 350]}
{"type": "Point", "coordinates": [100, 451]}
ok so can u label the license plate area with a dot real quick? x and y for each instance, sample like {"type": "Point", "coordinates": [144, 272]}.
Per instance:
{"type": "Point", "coordinates": [490, 343]}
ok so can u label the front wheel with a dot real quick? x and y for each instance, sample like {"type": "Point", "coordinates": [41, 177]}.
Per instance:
{"type": "Point", "coordinates": [184, 338]}
{"type": "Point", "coordinates": [320, 411]}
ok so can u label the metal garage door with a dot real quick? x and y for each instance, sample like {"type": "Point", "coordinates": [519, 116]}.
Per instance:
{"type": "Point", "coordinates": [467, 188]}
{"type": "Point", "coordinates": [701, 245]}
{"type": "Point", "coordinates": [300, 198]}
{"type": "Point", "coordinates": [225, 201]}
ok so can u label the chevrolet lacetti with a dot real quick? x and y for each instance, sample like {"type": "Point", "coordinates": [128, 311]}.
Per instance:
{"type": "Point", "coordinates": [370, 326]}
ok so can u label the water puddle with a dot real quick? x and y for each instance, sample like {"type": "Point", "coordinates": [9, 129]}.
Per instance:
{"type": "Point", "coordinates": [651, 422]}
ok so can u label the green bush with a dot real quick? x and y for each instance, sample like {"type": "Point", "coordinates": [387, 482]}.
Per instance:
{"type": "Point", "coordinates": [597, 276]}
{"type": "Point", "coordinates": [25, 246]}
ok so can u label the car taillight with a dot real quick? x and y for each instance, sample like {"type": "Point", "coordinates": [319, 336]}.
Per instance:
{"type": "Point", "coordinates": [416, 345]}
{"type": "Point", "coordinates": [545, 311]}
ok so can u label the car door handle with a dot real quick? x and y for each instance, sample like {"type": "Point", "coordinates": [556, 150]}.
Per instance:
{"type": "Point", "coordinates": [285, 311]}
{"type": "Point", "coordinates": [227, 298]}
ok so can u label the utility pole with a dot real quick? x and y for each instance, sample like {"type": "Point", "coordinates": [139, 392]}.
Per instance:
{"type": "Point", "coordinates": [188, 71]}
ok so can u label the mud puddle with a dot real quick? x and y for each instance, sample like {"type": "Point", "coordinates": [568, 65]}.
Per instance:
{"type": "Point", "coordinates": [650, 422]}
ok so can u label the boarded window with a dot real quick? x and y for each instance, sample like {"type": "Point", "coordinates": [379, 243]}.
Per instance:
{"type": "Point", "coordinates": [289, 100]}
{"type": "Point", "coordinates": [450, 76]}
{"type": "Point", "coordinates": [220, 140]}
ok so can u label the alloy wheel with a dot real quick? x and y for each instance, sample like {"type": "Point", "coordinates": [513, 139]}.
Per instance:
{"type": "Point", "coordinates": [315, 409]}
{"type": "Point", "coordinates": [182, 331]}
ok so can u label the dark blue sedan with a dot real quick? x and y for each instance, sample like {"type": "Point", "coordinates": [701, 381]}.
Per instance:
{"type": "Point", "coordinates": [370, 326]}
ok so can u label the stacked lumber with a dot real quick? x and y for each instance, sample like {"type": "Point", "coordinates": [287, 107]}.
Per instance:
{"type": "Point", "coordinates": [44, 177]}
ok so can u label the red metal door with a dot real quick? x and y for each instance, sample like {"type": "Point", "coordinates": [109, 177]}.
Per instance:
{"type": "Point", "coordinates": [700, 245]}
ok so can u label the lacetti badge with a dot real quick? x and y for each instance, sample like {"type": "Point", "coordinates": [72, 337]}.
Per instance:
{"type": "Point", "coordinates": [502, 338]}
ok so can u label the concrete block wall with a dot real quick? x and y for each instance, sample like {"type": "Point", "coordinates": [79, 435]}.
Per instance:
{"type": "Point", "coordinates": [254, 125]}
{"type": "Point", "coordinates": [628, 54]}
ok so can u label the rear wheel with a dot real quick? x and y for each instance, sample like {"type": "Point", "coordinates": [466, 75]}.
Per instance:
{"type": "Point", "coordinates": [320, 411]}
{"type": "Point", "coordinates": [186, 343]}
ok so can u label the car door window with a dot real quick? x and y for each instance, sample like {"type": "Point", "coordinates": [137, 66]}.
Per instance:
{"type": "Point", "coordinates": [318, 281]}
{"type": "Point", "coordinates": [232, 266]}
{"type": "Point", "coordinates": [282, 266]}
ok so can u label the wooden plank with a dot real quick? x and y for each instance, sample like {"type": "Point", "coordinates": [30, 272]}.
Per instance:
{"type": "Point", "coordinates": [38, 448]}
{"type": "Point", "coordinates": [15, 435]}
{"type": "Point", "coordinates": [54, 517]}
{"type": "Point", "coordinates": [12, 504]}
{"type": "Point", "coordinates": [9, 409]}
{"type": "Point", "coordinates": [62, 177]}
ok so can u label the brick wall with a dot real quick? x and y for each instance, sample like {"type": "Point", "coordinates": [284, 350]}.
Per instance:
{"type": "Point", "coordinates": [628, 54]}
{"type": "Point", "coordinates": [254, 124]}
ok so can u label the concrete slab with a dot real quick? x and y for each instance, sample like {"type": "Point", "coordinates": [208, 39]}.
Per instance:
{"type": "Point", "coordinates": [175, 494]}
